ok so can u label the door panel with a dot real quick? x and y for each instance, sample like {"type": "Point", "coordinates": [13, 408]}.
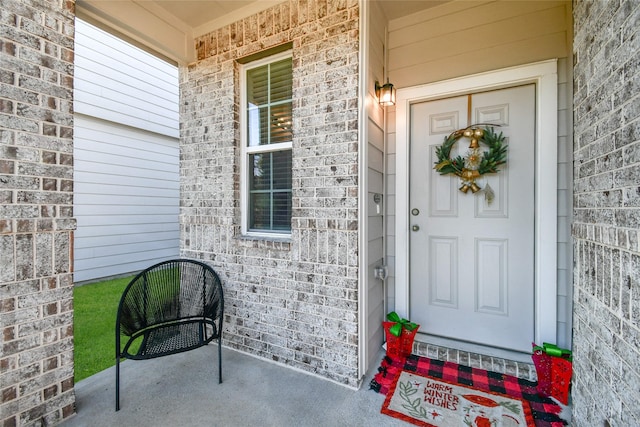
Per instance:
{"type": "Point", "coordinates": [471, 260]}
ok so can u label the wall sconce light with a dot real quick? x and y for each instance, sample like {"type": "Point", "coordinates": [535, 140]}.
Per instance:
{"type": "Point", "coordinates": [386, 94]}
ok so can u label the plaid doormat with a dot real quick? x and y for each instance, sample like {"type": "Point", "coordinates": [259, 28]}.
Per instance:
{"type": "Point", "coordinates": [545, 411]}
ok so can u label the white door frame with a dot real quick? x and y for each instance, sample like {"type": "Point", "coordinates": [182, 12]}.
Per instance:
{"type": "Point", "coordinates": [544, 75]}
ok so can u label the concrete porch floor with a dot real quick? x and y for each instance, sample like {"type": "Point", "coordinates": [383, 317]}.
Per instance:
{"type": "Point", "coordinates": [183, 390]}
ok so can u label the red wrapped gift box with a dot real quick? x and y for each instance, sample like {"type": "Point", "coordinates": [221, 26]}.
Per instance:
{"type": "Point", "coordinates": [401, 346]}
{"type": "Point", "coordinates": [554, 369]}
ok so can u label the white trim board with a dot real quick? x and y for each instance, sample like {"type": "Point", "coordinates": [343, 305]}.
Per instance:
{"type": "Point", "coordinates": [363, 301]}
{"type": "Point", "coordinates": [544, 75]}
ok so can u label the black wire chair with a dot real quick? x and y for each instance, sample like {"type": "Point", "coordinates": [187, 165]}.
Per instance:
{"type": "Point", "coordinates": [171, 307]}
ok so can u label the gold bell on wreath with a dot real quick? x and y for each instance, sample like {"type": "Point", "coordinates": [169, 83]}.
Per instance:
{"type": "Point", "coordinates": [474, 143]}
{"type": "Point", "coordinates": [474, 187]}
{"type": "Point", "coordinates": [464, 188]}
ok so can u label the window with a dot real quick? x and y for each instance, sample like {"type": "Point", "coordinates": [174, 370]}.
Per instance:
{"type": "Point", "coordinates": [266, 146]}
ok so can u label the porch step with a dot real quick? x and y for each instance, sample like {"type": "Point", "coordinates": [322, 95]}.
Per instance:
{"type": "Point", "coordinates": [522, 370]}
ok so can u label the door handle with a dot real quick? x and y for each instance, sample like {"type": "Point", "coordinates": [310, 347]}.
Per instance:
{"type": "Point", "coordinates": [415, 227]}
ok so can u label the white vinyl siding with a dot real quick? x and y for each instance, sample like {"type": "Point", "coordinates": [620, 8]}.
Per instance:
{"type": "Point", "coordinates": [375, 239]}
{"type": "Point", "coordinates": [118, 82]}
{"type": "Point", "coordinates": [463, 38]}
{"type": "Point", "coordinates": [126, 186]}
{"type": "Point", "coordinates": [374, 181]}
{"type": "Point", "coordinates": [126, 153]}
{"type": "Point", "coordinates": [565, 197]}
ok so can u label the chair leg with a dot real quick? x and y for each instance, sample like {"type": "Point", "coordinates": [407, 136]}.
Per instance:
{"type": "Point", "coordinates": [117, 383]}
{"type": "Point", "coordinates": [220, 359]}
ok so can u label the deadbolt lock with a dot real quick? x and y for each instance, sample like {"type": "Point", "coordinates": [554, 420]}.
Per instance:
{"type": "Point", "coordinates": [415, 212]}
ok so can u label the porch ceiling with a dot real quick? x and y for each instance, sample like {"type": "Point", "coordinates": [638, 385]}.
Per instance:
{"type": "Point", "coordinates": [168, 27]}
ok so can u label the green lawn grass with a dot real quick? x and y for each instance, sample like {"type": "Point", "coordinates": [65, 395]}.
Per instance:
{"type": "Point", "coordinates": [95, 307]}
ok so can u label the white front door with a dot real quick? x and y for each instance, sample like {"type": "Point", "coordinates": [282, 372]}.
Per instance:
{"type": "Point", "coordinates": [471, 270]}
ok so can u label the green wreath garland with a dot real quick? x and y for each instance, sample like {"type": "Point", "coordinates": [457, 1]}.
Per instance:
{"type": "Point", "coordinates": [474, 164]}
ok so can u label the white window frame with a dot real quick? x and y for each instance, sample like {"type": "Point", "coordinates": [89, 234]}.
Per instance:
{"type": "Point", "coordinates": [245, 150]}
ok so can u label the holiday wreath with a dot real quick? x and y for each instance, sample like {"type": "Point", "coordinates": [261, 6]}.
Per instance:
{"type": "Point", "coordinates": [473, 164]}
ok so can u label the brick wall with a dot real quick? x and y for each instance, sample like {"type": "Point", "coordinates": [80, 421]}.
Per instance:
{"type": "Point", "coordinates": [606, 383]}
{"type": "Point", "coordinates": [36, 196]}
{"type": "Point", "coordinates": [293, 301]}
